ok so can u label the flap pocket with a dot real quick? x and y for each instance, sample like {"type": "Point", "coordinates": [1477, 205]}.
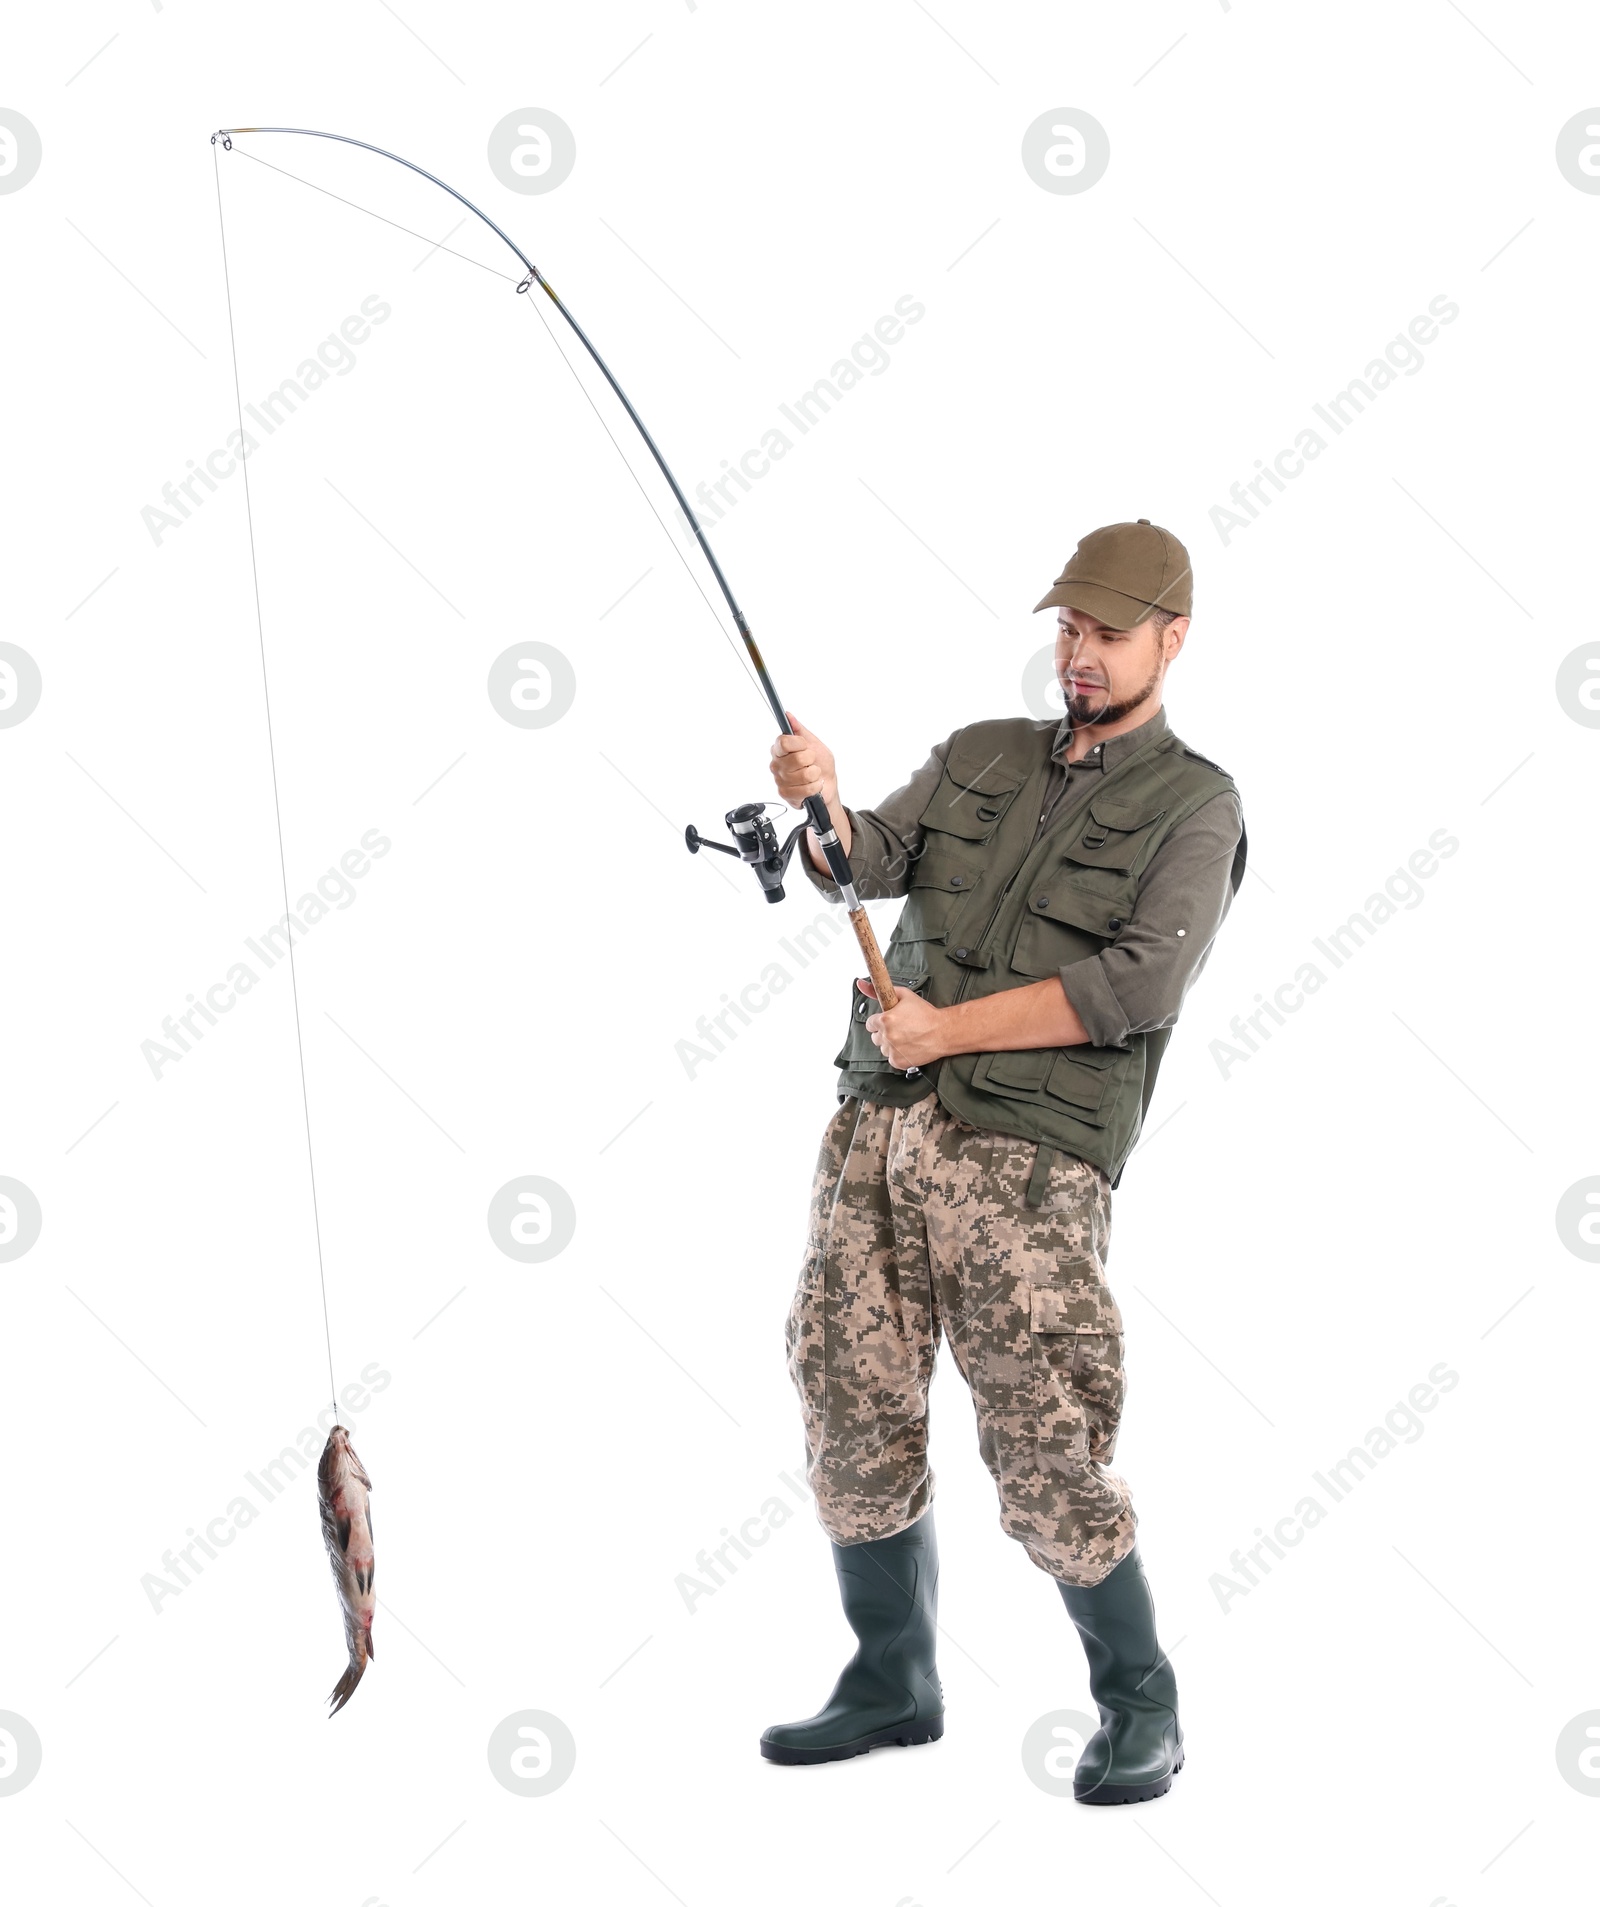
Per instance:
{"type": "Point", "coordinates": [1115, 834]}
{"type": "Point", "coordinates": [944, 873]}
{"type": "Point", "coordinates": [1081, 1078]}
{"type": "Point", "coordinates": [1022, 1073]}
{"type": "Point", "coordinates": [930, 906]}
{"type": "Point", "coordinates": [971, 808]}
{"type": "Point", "coordinates": [1125, 815]}
{"type": "Point", "coordinates": [1072, 915]}
{"type": "Point", "coordinates": [1086, 1305]}
{"type": "Point", "coordinates": [1098, 903]}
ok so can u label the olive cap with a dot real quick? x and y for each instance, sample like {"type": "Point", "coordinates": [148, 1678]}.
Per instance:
{"type": "Point", "coordinates": [1122, 572]}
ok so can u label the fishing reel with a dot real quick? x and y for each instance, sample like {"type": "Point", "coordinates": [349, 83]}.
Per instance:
{"type": "Point", "coordinates": [756, 844]}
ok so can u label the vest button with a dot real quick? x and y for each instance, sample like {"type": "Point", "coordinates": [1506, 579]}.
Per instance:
{"type": "Point", "coordinates": [1113, 926]}
{"type": "Point", "coordinates": [962, 952]}
{"type": "Point", "coordinates": [1042, 902]}
{"type": "Point", "coordinates": [958, 880]}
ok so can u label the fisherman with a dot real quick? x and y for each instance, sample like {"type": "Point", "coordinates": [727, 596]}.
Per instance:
{"type": "Point", "coordinates": [1063, 884]}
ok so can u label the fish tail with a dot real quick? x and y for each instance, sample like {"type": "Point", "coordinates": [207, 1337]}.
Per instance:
{"type": "Point", "coordinates": [345, 1687]}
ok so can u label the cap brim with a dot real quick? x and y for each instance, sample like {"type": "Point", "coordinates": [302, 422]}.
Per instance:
{"type": "Point", "coordinates": [1109, 606]}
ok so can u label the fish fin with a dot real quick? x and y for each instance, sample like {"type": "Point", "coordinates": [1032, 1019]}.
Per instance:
{"type": "Point", "coordinates": [342, 1530]}
{"type": "Point", "coordinates": [345, 1687]}
{"type": "Point", "coordinates": [372, 1653]}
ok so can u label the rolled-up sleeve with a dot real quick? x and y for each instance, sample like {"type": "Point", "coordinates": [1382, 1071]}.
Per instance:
{"type": "Point", "coordinates": [1138, 983]}
{"type": "Point", "coordinates": [886, 840]}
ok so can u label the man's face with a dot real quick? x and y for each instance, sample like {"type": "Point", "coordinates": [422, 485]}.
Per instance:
{"type": "Point", "coordinates": [1107, 673]}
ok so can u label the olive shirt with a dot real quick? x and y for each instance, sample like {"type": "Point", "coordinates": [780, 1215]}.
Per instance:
{"type": "Point", "coordinates": [1138, 983]}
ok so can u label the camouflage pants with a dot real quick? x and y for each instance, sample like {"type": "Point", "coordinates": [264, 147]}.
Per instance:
{"type": "Point", "coordinates": [921, 1227]}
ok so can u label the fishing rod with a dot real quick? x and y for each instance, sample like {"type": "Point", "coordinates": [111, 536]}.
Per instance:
{"type": "Point", "coordinates": [343, 1485]}
{"type": "Point", "coordinates": [755, 840]}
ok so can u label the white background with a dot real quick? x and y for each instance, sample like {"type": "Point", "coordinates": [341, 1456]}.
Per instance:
{"type": "Point", "coordinates": [1367, 1195]}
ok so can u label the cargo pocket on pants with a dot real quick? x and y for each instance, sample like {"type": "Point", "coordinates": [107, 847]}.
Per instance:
{"type": "Point", "coordinates": [1076, 1332]}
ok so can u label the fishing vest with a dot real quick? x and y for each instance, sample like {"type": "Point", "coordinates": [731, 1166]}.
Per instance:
{"type": "Point", "coordinates": [991, 906]}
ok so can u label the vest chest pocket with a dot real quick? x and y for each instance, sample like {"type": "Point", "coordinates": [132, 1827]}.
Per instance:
{"type": "Point", "coordinates": [957, 825]}
{"type": "Point", "coordinates": [1115, 835]}
{"type": "Point", "coordinates": [970, 808]}
{"type": "Point", "coordinates": [1080, 906]}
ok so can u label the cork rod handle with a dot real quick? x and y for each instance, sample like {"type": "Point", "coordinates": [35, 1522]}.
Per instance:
{"type": "Point", "coordinates": [882, 984]}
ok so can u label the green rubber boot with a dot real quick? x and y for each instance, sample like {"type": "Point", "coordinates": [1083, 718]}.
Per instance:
{"type": "Point", "coordinates": [889, 1692]}
{"type": "Point", "coordinates": [1139, 1745]}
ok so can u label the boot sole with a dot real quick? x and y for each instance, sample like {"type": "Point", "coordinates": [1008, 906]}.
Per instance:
{"type": "Point", "coordinates": [903, 1735]}
{"type": "Point", "coordinates": [1111, 1795]}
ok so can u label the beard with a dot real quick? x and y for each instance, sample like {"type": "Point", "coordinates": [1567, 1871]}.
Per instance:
{"type": "Point", "coordinates": [1084, 715]}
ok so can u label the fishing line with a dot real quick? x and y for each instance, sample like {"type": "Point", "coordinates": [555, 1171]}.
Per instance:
{"type": "Point", "coordinates": [255, 578]}
{"type": "Point", "coordinates": [277, 808]}
{"type": "Point", "coordinates": [737, 648]}
{"type": "Point", "coordinates": [768, 860]}
{"type": "Point", "coordinates": [727, 636]}
{"type": "Point", "coordinates": [509, 277]}
{"type": "Point", "coordinates": [343, 1486]}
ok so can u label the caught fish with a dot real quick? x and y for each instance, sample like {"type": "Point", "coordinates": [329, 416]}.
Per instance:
{"type": "Point", "coordinates": [343, 1488]}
